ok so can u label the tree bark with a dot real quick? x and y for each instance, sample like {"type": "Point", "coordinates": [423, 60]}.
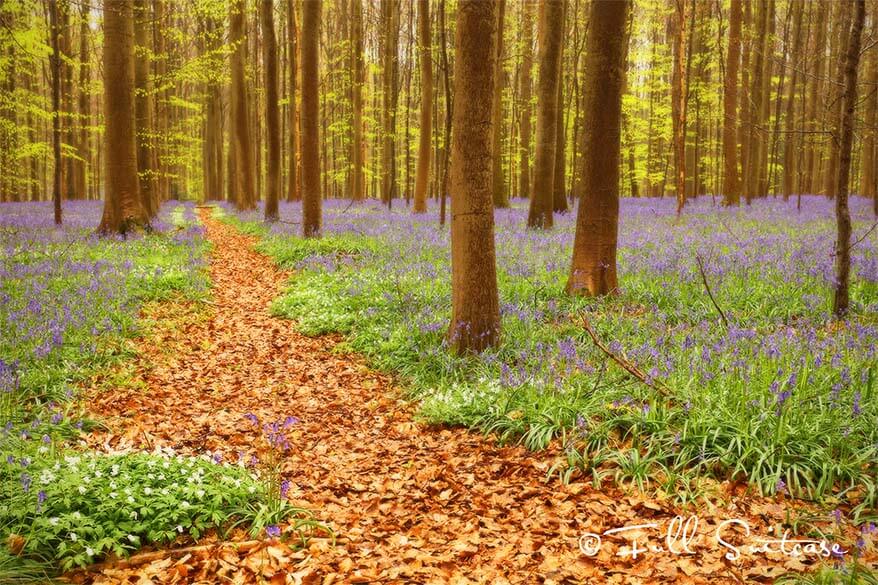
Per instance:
{"type": "Point", "coordinates": [549, 56]}
{"type": "Point", "coordinates": [358, 146]}
{"type": "Point", "coordinates": [593, 268]}
{"type": "Point", "coordinates": [524, 135]}
{"type": "Point", "coordinates": [244, 172]}
{"type": "Point", "coordinates": [498, 186]}
{"type": "Point", "coordinates": [311, 193]}
{"type": "Point", "coordinates": [123, 211]}
{"type": "Point", "coordinates": [390, 76]}
{"type": "Point", "coordinates": [731, 183]}
{"type": "Point", "coordinates": [559, 192]}
{"type": "Point", "coordinates": [55, 33]}
{"type": "Point", "coordinates": [293, 193]}
{"type": "Point", "coordinates": [143, 111]}
{"type": "Point", "coordinates": [475, 320]}
{"type": "Point", "coordinates": [272, 111]}
{"type": "Point", "coordinates": [425, 130]}
{"type": "Point", "coordinates": [841, 299]}
{"type": "Point", "coordinates": [678, 101]}
{"type": "Point", "coordinates": [790, 140]}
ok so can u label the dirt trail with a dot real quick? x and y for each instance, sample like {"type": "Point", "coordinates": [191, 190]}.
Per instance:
{"type": "Point", "coordinates": [412, 504]}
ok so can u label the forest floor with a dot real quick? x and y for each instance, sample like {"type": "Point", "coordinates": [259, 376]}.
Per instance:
{"type": "Point", "coordinates": [408, 503]}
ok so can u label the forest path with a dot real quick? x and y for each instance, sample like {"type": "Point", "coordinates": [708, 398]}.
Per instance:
{"type": "Point", "coordinates": [411, 504]}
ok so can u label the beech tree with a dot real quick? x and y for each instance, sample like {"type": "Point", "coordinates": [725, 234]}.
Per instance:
{"type": "Point", "coordinates": [475, 318]}
{"type": "Point", "coordinates": [848, 79]}
{"type": "Point", "coordinates": [593, 269]}
{"type": "Point", "coordinates": [243, 173]}
{"type": "Point", "coordinates": [551, 30]}
{"type": "Point", "coordinates": [424, 48]}
{"type": "Point", "coordinates": [272, 112]}
{"type": "Point", "coordinates": [123, 210]}
{"type": "Point", "coordinates": [731, 183]}
{"type": "Point", "coordinates": [312, 195]}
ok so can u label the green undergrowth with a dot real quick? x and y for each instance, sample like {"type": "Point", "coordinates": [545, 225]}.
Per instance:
{"type": "Point", "coordinates": [779, 397]}
{"type": "Point", "coordinates": [69, 303]}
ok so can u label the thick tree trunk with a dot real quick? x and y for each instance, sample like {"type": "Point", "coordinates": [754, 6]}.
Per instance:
{"type": "Point", "coordinates": [551, 30]}
{"type": "Point", "coordinates": [311, 193]}
{"type": "Point", "coordinates": [731, 184]}
{"type": "Point", "coordinates": [143, 109]}
{"type": "Point", "coordinates": [475, 320]}
{"type": "Point", "coordinates": [593, 269]}
{"type": "Point", "coordinates": [123, 211]}
{"type": "Point", "coordinates": [841, 300]}
{"type": "Point", "coordinates": [243, 176]}
{"type": "Point", "coordinates": [526, 87]}
{"type": "Point", "coordinates": [498, 185]}
{"type": "Point", "coordinates": [272, 109]}
{"type": "Point", "coordinates": [425, 131]}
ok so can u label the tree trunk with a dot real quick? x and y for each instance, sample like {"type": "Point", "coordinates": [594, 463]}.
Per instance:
{"type": "Point", "coordinates": [293, 193]}
{"type": "Point", "coordinates": [790, 140]}
{"type": "Point", "coordinates": [593, 269]}
{"type": "Point", "coordinates": [143, 109]}
{"type": "Point", "coordinates": [311, 194]}
{"type": "Point", "coordinates": [527, 7]}
{"type": "Point", "coordinates": [498, 185]}
{"type": "Point", "coordinates": [80, 187]}
{"type": "Point", "coordinates": [390, 75]}
{"type": "Point", "coordinates": [551, 30]}
{"type": "Point", "coordinates": [425, 131]}
{"type": "Point", "coordinates": [842, 213]}
{"type": "Point", "coordinates": [245, 194]}
{"type": "Point", "coordinates": [55, 33]}
{"type": "Point", "coordinates": [811, 154]}
{"type": "Point", "coordinates": [678, 101]}
{"type": "Point", "coordinates": [272, 112]}
{"type": "Point", "coordinates": [836, 112]}
{"type": "Point", "coordinates": [731, 184]}
{"type": "Point", "coordinates": [475, 320]}
{"type": "Point", "coordinates": [449, 109]}
{"type": "Point", "coordinates": [123, 211]}
{"type": "Point", "coordinates": [559, 192]}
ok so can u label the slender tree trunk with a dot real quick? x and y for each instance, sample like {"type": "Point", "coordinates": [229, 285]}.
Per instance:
{"type": "Point", "coordinates": [55, 33]}
{"type": "Point", "coordinates": [731, 184]}
{"type": "Point", "coordinates": [475, 320]}
{"type": "Point", "coordinates": [790, 140]}
{"type": "Point", "coordinates": [80, 187]}
{"type": "Point", "coordinates": [841, 300]}
{"type": "Point", "coordinates": [593, 269]}
{"type": "Point", "coordinates": [293, 124]}
{"type": "Point", "coordinates": [550, 33]}
{"type": "Point", "coordinates": [836, 112]}
{"type": "Point", "coordinates": [524, 136]}
{"type": "Point", "coordinates": [811, 156]}
{"type": "Point", "coordinates": [868, 175]}
{"type": "Point", "coordinates": [272, 111]}
{"type": "Point", "coordinates": [123, 210]}
{"type": "Point", "coordinates": [311, 196]}
{"type": "Point", "coordinates": [425, 131]}
{"type": "Point", "coordinates": [358, 146]}
{"type": "Point", "coordinates": [390, 75]}
{"type": "Point", "coordinates": [500, 195]}
{"type": "Point", "coordinates": [559, 193]}
{"type": "Point", "coordinates": [678, 101]}
{"type": "Point", "coordinates": [449, 109]}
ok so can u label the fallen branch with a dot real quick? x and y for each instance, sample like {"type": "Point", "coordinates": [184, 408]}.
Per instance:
{"type": "Point", "coordinates": [625, 363]}
{"type": "Point", "coordinates": [709, 293]}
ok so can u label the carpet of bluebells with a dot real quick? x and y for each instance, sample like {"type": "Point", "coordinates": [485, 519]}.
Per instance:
{"type": "Point", "coordinates": [67, 300]}
{"type": "Point", "coordinates": [782, 397]}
